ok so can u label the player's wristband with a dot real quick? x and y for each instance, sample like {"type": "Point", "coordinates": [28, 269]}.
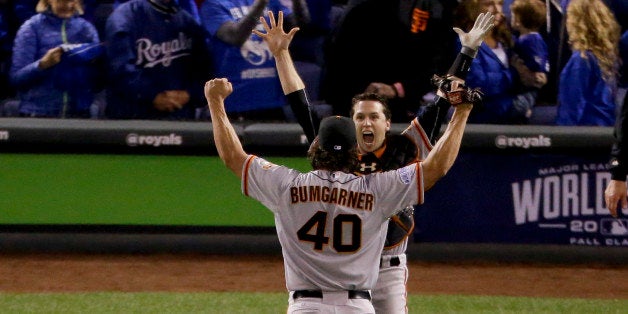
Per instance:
{"type": "Point", "coordinates": [469, 51]}
{"type": "Point", "coordinates": [617, 170]}
{"type": "Point", "coordinates": [461, 65]}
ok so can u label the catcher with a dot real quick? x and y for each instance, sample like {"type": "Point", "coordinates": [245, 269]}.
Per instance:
{"type": "Point", "coordinates": [379, 150]}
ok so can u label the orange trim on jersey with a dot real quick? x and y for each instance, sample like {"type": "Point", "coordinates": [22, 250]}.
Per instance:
{"type": "Point", "coordinates": [419, 183]}
{"type": "Point", "coordinates": [245, 174]}
{"type": "Point", "coordinates": [426, 140]}
{"type": "Point", "coordinates": [378, 152]}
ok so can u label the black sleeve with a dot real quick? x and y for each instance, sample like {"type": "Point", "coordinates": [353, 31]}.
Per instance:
{"type": "Point", "coordinates": [461, 65]}
{"type": "Point", "coordinates": [308, 120]}
{"type": "Point", "coordinates": [432, 116]}
{"type": "Point", "coordinates": [619, 157]}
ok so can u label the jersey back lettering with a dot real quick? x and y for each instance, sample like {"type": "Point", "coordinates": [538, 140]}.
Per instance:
{"type": "Point", "coordinates": [331, 225]}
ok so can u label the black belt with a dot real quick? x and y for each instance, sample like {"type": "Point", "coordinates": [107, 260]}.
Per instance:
{"type": "Point", "coordinates": [394, 261]}
{"type": "Point", "coordinates": [353, 294]}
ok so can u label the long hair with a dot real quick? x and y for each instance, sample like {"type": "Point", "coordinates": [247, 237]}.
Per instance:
{"type": "Point", "coordinates": [468, 10]}
{"type": "Point", "coordinates": [320, 159]}
{"type": "Point", "coordinates": [591, 26]}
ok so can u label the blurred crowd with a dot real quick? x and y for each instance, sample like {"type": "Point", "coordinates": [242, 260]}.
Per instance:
{"type": "Point", "coordinates": [552, 62]}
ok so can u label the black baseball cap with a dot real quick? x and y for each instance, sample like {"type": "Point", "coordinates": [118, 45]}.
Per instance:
{"type": "Point", "coordinates": [337, 134]}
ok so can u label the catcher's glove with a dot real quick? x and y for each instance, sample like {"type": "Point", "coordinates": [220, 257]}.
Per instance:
{"type": "Point", "coordinates": [400, 226]}
{"type": "Point", "coordinates": [463, 94]}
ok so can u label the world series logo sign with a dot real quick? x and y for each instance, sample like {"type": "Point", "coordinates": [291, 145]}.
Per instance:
{"type": "Point", "coordinates": [531, 190]}
{"type": "Point", "coordinates": [570, 199]}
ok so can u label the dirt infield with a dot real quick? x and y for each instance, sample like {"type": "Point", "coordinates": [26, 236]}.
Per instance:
{"type": "Point", "coordinates": [48, 272]}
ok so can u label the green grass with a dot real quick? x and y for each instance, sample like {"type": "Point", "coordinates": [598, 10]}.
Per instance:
{"type": "Point", "coordinates": [234, 302]}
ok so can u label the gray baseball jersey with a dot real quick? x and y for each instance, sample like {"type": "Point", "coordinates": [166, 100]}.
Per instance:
{"type": "Point", "coordinates": [331, 225]}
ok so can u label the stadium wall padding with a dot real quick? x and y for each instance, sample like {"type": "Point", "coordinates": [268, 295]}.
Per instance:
{"type": "Point", "coordinates": [510, 184]}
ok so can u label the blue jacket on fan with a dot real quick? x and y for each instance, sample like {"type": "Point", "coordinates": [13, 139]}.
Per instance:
{"type": "Point", "coordinates": [152, 48]}
{"type": "Point", "coordinates": [584, 98]}
{"type": "Point", "coordinates": [52, 92]}
{"type": "Point", "coordinates": [497, 83]}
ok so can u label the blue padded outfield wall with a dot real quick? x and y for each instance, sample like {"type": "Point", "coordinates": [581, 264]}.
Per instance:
{"type": "Point", "coordinates": [525, 185]}
{"type": "Point", "coordinates": [522, 198]}
{"type": "Point", "coordinates": [510, 184]}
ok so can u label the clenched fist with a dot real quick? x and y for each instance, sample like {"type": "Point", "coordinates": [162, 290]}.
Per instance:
{"type": "Point", "coordinates": [216, 90]}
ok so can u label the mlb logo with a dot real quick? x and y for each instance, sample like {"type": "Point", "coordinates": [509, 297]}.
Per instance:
{"type": "Point", "coordinates": [614, 227]}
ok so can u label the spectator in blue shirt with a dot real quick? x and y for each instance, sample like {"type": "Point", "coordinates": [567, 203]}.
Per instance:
{"type": "Point", "coordinates": [244, 58]}
{"type": "Point", "coordinates": [490, 70]}
{"type": "Point", "coordinates": [158, 59]}
{"type": "Point", "coordinates": [54, 64]}
{"type": "Point", "coordinates": [530, 54]}
{"type": "Point", "coordinates": [587, 86]}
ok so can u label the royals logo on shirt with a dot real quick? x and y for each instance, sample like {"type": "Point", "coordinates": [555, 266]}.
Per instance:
{"type": "Point", "coordinates": [150, 54]}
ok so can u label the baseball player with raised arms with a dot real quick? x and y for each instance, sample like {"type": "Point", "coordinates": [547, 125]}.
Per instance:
{"type": "Point", "coordinates": [379, 150]}
{"type": "Point", "coordinates": [330, 222]}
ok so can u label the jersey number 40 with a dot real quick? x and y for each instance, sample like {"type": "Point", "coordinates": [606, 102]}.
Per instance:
{"type": "Point", "coordinates": [346, 232]}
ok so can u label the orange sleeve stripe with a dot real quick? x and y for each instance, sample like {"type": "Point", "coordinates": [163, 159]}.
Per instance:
{"type": "Point", "coordinates": [245, 175]}
{"type": "Point", "coordinates": [424, 137]}
{"type": "Point", "coordinates": [419, 183]}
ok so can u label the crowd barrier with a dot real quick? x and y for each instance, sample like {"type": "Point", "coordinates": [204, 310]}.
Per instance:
{"type": "Point", "coordinates": [141, 136]}
{"type": "Point", "coordinates": [521, 185]}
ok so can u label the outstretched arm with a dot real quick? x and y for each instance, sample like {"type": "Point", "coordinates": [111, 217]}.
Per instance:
{"type": "Point", "coordinates": [434, 113]}
{"type": "Point", "coordinates": [615, 193]}
{"type": "Point", "coordinates": [227, 142]}
{"type": "Point", "coordinates": [278, 42]}
{"type": "Point", "coordinates": [291, 83]}
{"type": "Point", "coordinates": [442, 156]}
{"type": "Point", "coordinates": [471, 42]}
{"type": "Point", "coordinates": [432, 116]}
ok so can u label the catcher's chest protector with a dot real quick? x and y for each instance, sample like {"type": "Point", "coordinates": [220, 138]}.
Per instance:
{"type": "Point", "coordinates": [399, 152]}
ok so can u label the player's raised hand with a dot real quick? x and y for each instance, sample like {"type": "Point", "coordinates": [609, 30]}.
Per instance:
{"type": "Point", "coordinates": [275, 37]}
{"type": "Point", "coordinates": [473, 39]}
{"type": "Point", "coordinates": [216, 90]}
